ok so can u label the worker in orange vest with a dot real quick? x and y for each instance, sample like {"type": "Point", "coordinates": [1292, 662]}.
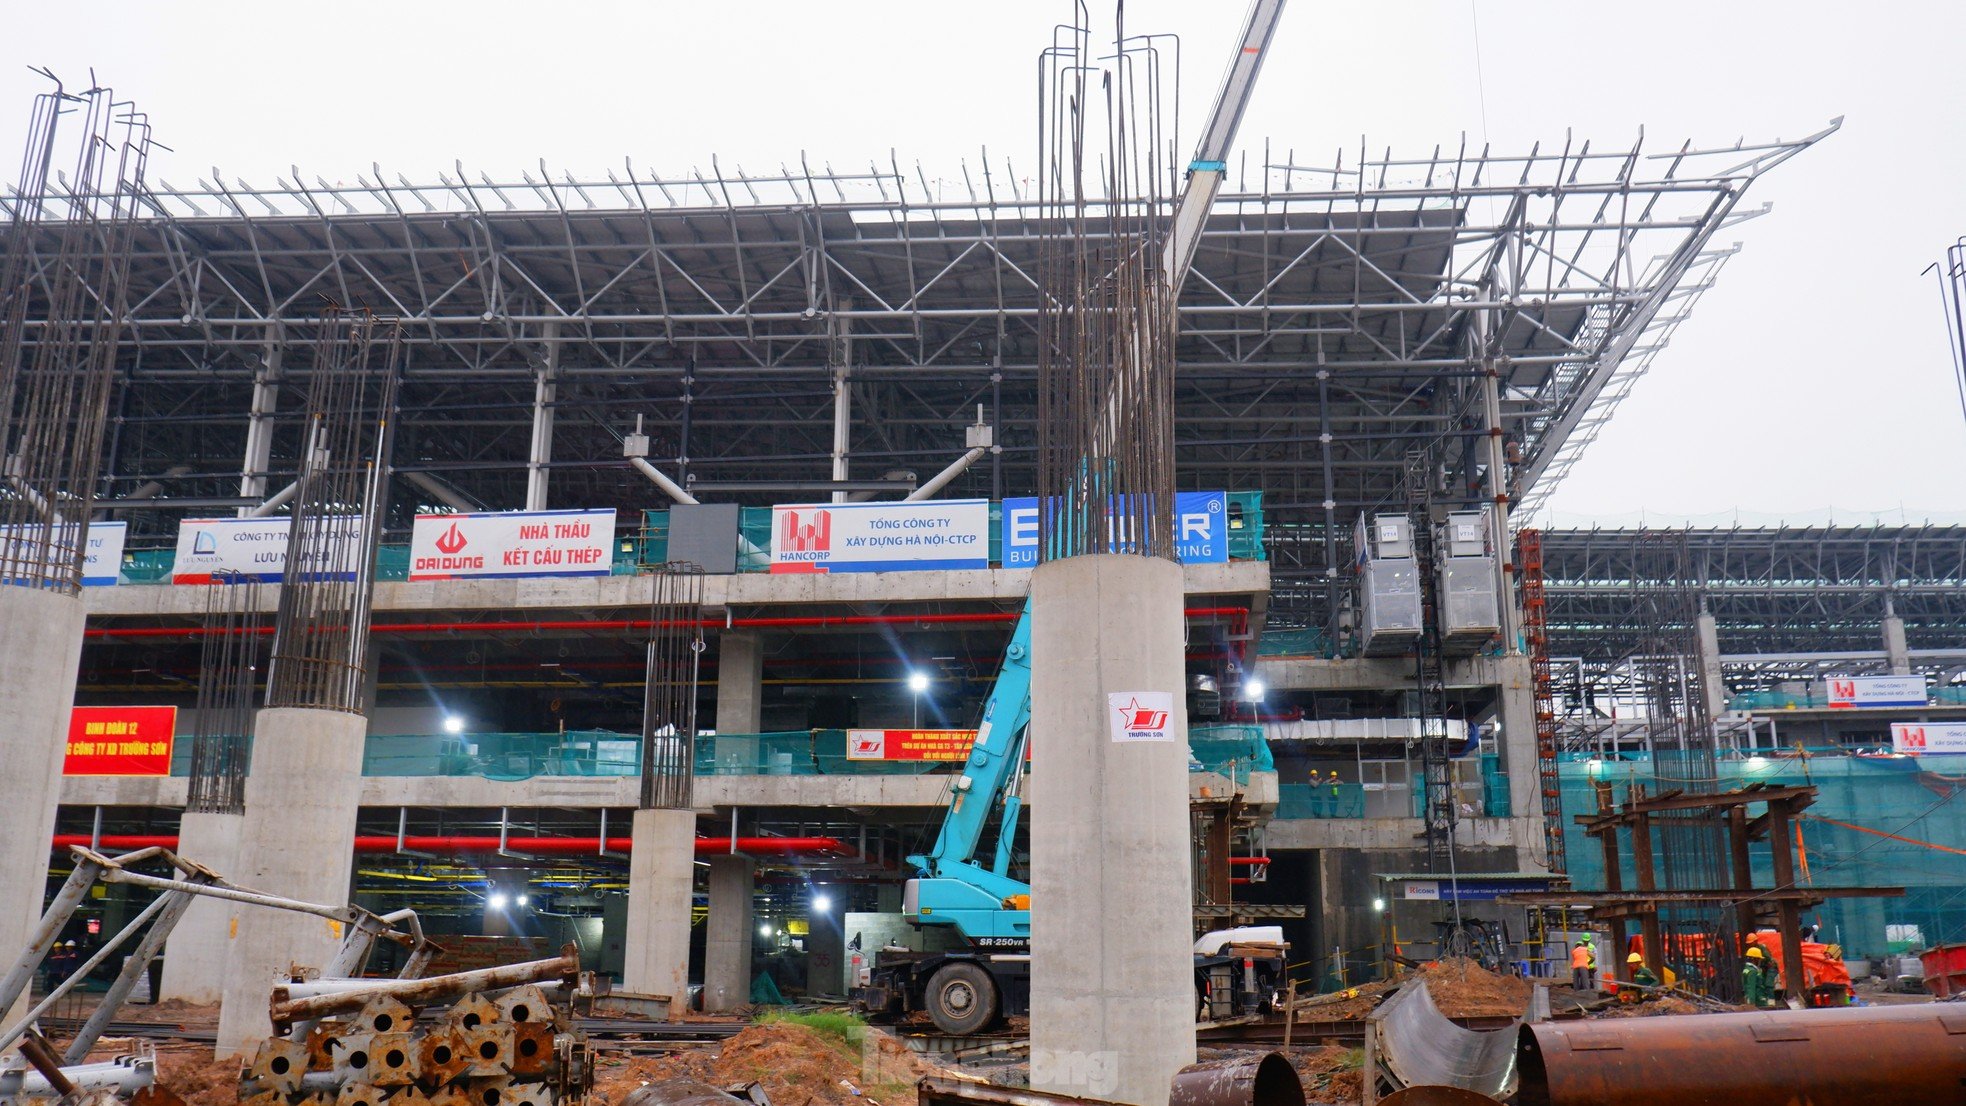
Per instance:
{"type": "Point", "coordinates": [1583, 965]}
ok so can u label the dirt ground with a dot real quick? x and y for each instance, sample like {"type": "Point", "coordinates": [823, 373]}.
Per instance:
{"type": "Point", "coordinates": [797, 1065]}
{"type": "Point", "coordinates": [1460, 988]}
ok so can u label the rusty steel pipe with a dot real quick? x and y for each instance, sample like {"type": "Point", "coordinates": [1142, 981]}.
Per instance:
{"type": "Point", "coordinates": [1436, 1096]}
{"type": "Point", "coordinates": [1853, 1056]}
{"type": "Point", "coordinates": [1265, 1080]}
{"type": "Point", "coordinates": [286, 1010]}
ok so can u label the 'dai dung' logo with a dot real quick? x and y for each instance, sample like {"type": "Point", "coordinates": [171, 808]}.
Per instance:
{"type": "Point", "coordinates": [451, 540]}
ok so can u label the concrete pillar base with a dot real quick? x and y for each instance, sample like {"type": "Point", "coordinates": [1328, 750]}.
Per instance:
{"type": "Point", "coordinates": [1112, 978]}
{"type": "Point", "coordinates": [43, 635]}
{"type": "Point", "coordinates": [195, 955]}
{"type": "Point", "coordinates": [727, 950]}
{"type": "Point", "coordinates": [297, 839]}
{"type": "Point", "coordinates": [661, 878]}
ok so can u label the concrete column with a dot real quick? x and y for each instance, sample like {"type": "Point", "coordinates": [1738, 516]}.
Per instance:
{"type": "Point", "coordinates": [546, 390]}
{"type": "Point", "coordinates": [727, 948]}
{"type": "Point", "coordinates": [259, 425]}
{"type": "Point", "coordinates": [661, 875]}
{"type": "Point", "coordinates": [43, 635]}
{"type": "Point", "coordinates": [194, 957]}
{"type": "Point", "coordinates": [740, 698]}
{"type": "Point", "coordinates": [1895, 651]}
{"type": "Point", "coordinates": [1112, 980]}
{"type": "Point", "coordinates": [1710, 676]}
{"type": "Point", "coordinates": [297, 839]}
{"type": "Point", "coordinates": [1516, 710]}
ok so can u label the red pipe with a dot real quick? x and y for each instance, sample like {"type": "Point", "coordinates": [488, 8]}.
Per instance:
{"type": "Point", "coordinates": [553, 846]}
{"type": "Point", "coordinates": [1249, 861]}
{"type": "Point", "coordinates": [788, 622]}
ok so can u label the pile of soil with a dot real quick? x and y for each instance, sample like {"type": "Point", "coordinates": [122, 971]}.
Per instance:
{"type": "Point", "coordinates": [1460, 987]}
{"type": "Point", "coordinates": [797, 1066]}
{"type": "Point", "coordinates": [187, 1069]}
{"type": "Point", "coordinates": [1663, 1006]}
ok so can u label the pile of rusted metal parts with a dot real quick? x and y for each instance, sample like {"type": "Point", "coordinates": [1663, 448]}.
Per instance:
{"type": "Point", "coordinates": [493, 1037]}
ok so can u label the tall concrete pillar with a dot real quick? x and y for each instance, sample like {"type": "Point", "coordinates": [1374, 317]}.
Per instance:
{"type": "Point", "coordinates": [661, 878]}
{"type": "Point", "coordinates": [195, 955]}
{"type": "Point", "coordinates": [42, 631]}
{"type": "Point", "coordinates": [1516, 710]}
{"type": "Point", "coordinates": [1112, 982]}
{"type": "Point", "coordinates": [297, 839]}
{"type": "Point", "coordinates": [740, 701]}
{"type": "Point", "coordinates": [1711, 679]}
{"type": "Point", "coordinates": [1895, 652]}
{"type": "Point", "coordinates": [727, 947]}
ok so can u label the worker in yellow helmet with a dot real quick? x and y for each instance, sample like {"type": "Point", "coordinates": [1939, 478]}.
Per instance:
{"type": "Point", "coordinates": [1641, 976]}
{"type": "Point", "coordinates": [1757, 989]}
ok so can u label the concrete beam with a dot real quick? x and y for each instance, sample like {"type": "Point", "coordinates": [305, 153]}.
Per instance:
{"type": "Point", "coordinates": [1239, 580]}
{"type": "Point", "coordinates": [1381, 673]}
{"type": "Point", "coordinates": [42, 631]}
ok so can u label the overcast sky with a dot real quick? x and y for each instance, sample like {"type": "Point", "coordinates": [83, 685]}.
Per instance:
{"type": "Point", "coordinates": [1814, 376]}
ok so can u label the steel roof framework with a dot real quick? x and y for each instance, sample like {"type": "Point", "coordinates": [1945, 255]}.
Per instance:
{"type": "Point", "coordinates": [1335, 319]}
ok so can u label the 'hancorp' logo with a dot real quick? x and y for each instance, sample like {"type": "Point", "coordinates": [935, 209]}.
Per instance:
{"type": "Point", "coordinates": [1137, 717]}
{"type": "Point", "coordinates": [451, 540]}
{"type": "Point", "coordinates": [1911, 737]}
{"type": "Point", "coordinates": [1842, 690]}
{"type": "Point", "coordinates": [813, 536]}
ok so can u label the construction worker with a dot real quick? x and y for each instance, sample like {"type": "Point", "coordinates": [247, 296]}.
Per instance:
{"type": "Point", "coordinates": [1642, 978]}
{"type": "Point", "coordinates": [1583, 966]}
{"type": "Point", "coordinates": [1757, 986]}
{"type": "Point", "coordinates": [1334, 786]}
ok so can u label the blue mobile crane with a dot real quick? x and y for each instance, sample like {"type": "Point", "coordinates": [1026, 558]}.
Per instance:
{"type": "Point", "coordinates": [966, 989]}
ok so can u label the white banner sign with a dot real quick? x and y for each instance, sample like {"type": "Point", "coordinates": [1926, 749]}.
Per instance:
{"type": "Point", "coordinates": [1421, 889]}
{"type": "Point", "coordinates": [512, 543]}
{"type": "Point", "coordinates": [1876, 691]}
{"type": "Point", "coordinates": [1141, 715]}
{"type": "Point", "coordinates": [881, 537]}
{"type": "Point", "coordinates": [101, 561]}
{"type": "Point", "coordinates": [254, 548]}
{"type": "Point", "coordinates": [1914, 738]}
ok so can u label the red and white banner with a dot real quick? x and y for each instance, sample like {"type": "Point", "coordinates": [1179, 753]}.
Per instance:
{"type": "Point", "coordinates": [511, 544]}
{"type": "Point", "coordinates": [951, 745]}
{"type": "Point", "coordinates": [120, 741]}
{"type": "Point", "coordinates": [1917, 738]}
{"type": "Point", "coordinates": [1141, 715]}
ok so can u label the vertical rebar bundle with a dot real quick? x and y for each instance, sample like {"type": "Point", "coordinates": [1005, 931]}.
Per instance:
{"type": "Point", "coordinates": [63, 275]}
{"type": "Point", "coordinates": [226, 673]}
{"type": "Point", "coordinates": [1692, 846]}
{"type": "Point", "coordinates": [669, 700]}
{"type": "Point", "coordinates": [1106, 316]}
{"type": "Point", "coordinates": [321, 633]}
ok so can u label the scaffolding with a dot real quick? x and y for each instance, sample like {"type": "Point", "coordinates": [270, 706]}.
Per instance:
{"type": "Point", "coordinates": [1340, 311]}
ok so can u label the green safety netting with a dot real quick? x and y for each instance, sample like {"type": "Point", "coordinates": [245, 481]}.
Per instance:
{"type": "Point", "coordinates": [1232, 751]}
{"type": "Point", "coordinates": [1860, 799]}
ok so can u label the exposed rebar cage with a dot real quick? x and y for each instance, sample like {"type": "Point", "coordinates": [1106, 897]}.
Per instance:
{"type": "Point", "coordinates": [1692, 847]}
{"type": "Point", "coordinates": [227, 671]}
{"type": "Point", "coordinates": [675, 656]}
{"type": "Point", "coordinates": [321, 633]}
{"type": "Point", "coordinates": [1106, 319]}
{"type": "Point", "coordinates": [54, 390]}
